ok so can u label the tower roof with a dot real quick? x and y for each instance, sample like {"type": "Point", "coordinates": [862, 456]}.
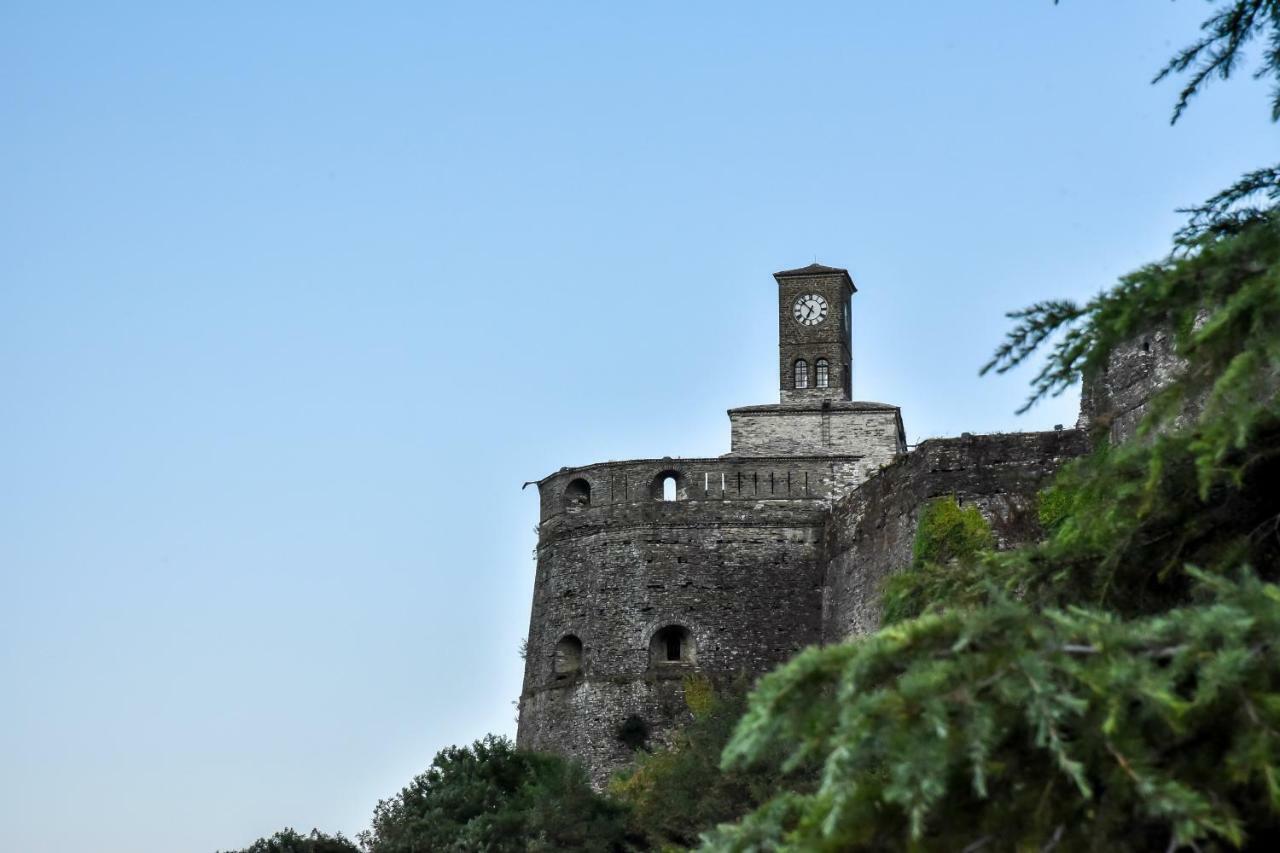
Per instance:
{"type": "Point", "coordinates": [815, 270]}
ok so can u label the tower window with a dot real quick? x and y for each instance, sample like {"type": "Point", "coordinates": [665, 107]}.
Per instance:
{"type": "Point", "coordinates": [802, 373]}
{"type": "Point", "coordinates": [634, 732]}
{"type": "Point", "coordinates": [820, 373]}
{"type": "Point", "coordinates": [568, 656]}
{"type": "Point", "coordinates": [672, 644]}
{"type": "Point", "coordinates": [666, 486]}
{"type": "Point", "coordinates": [577, 493]}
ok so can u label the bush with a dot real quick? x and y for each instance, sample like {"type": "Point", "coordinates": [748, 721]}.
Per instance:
{"type": "Point", "coordinates": [493, 797]}
{"type": "Point", "coordinates": [677, 793]}
{"type": "Point", "coordinates": [948, 539]}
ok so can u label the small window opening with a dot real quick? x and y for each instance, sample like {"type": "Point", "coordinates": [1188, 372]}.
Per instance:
{"type": "Point", "coordinates": [802, 374]}
{"type": "Point", "coordinates": [672, 644]}
{"type": "Point", "coordinates": [634, 732]}
{"type": "Point", "coordinates": [568, 656]}
{"type": "Point", "coordinates": [1146, 346]}
{"type": "Point", "coordinates": [577, 493]}
{"type": "Point", "coordinates": [666, 486]}
{"type": "Point", "coordinates": [820, 373]}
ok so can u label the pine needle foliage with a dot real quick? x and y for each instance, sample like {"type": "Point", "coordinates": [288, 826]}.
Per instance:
{"type": "Point", "coordinates": [1220, 299]}
{"type": "Point", "coordinates": [1220, 50]}
{"type": "Point", "coordinates": [1004, 728]}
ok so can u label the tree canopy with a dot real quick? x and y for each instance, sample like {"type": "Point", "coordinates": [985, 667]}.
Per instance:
{"type": "Point", "coordinates": [491, 796]}
{"type": "Point", "coordinates": [290, 841]}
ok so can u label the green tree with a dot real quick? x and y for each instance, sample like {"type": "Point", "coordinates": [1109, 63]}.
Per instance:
{"type": "Point", "coordinates": [1116, 686]}
{"type": "Point", "coordinates": [289, 841]}
{"type": "Point", "coordinates": [492, 797]}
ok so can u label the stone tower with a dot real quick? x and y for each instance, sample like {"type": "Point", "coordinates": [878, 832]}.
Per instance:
{"type": "Point", "coordinates": [653, 570]}
{"type": "Point", "coordinates": [817, 414]}
{"type": "Point", "coordinates": [815, 334]}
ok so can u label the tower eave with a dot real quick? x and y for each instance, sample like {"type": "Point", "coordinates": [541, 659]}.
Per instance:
{"type": "Point", "coordinates": [816, 271]}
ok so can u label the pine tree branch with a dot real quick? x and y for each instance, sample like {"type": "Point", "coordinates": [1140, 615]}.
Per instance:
{"type": "Point", "coordinates": [1227, 211]}
{"type": "Point", "coordinates": [1219, 52]}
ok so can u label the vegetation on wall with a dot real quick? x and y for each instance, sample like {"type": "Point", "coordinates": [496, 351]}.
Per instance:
{"type": "Point", "coordinates": [948, 538]}
{"type": "Point", "coordinates": [674, 794]}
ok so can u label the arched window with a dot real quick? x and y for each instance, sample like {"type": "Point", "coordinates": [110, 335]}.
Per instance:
{"type": "Point", "coordinates": [672, 644]}
{"type": "Point", "coordinates": [802, 373]}
{"type": "Point", "coordinates": [634, 732]}
{"type": "Point", "coordinates": [568, 656]}
{"type": "Point", "coordinates": [577, 493]}
{"type": "Point", "coordinates": [666, 486]}
{"type": "Point", "coordinates": [820, 373]}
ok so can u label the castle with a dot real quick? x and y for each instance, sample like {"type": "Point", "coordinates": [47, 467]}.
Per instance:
{"type": "Point", "coordinates": [651, 570]}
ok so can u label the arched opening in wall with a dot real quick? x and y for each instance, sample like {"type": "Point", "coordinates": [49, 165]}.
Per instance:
{"type": "Point", "coordinates": [568, 656]}
{"type": "Point", "coordinates": [820, 371]}
{"type": "Point", "coordinates": [634, 732]}
{"type": "Point", "coordinates": [666, 486]}
{"type": "Point", "coordinates": [577, 493]}
{"type": "Point", "coordinates": [802, 373]}
{"type": "Point", "coordinates": [672, 644]}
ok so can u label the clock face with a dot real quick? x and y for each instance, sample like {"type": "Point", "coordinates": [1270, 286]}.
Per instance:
{"type": "Point", "coordinates": [810, 310]}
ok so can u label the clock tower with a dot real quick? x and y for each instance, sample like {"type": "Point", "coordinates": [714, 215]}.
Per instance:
{"type": "Point", "coordinates": [815, 334]}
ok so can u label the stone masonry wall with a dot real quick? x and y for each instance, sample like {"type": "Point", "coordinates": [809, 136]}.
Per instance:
{"type": "Point", "coordinates": [735, 560]}
{"type": "Point", "coordinates": [871, 531]}
{"type": "Point", "coordinates": [1116, 399]}
{"type": "Point", "coordinates": [870, 430]}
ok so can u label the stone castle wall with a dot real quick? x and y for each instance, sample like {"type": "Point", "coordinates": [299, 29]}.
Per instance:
{"type": "Point", "coordinates": [872, 431]}
{"type": "Point", "coordinates": [734, 560]}
{"type": "Point", "coordinates": [869, 534]}
{"type": "Point", "coordinates": [1115, 400]}
{"type": "Point", "coordinates": [756, 557]}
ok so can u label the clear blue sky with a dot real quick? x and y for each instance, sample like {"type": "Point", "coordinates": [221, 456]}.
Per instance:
{"type": "Point", "coordinates": [294, 296]}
